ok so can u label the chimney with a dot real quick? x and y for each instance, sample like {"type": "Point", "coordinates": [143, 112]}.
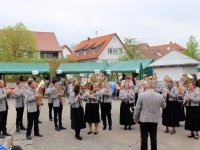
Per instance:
{"type": "Point", "coordinates": [170, 42]}
{"type": "Point", "coordinates": [88, 38]}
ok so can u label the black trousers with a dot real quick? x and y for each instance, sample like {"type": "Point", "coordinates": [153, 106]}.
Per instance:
{"type": "Point", "coordinates": [106, 112]}
{"type": "Point", "coordinates": [32, 118]}
{"type": "Point", "coordinates": [50, 110]}
{"type": "Point", "coordinates": [58, 115]}
{"type": "Point", "coordinates": [3, 121]}
{"type": "Point", "coordinates": [19, 117]}
{"type": "Point", "coordinates": [151, 129]}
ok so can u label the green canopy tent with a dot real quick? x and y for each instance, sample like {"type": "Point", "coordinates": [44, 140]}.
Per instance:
{"type": "Point", "coordinates": [77, 68]}
{"type": "Point", "coordinates": [24, 68]}
{"type": "Point", "coordinates": [130, 66]}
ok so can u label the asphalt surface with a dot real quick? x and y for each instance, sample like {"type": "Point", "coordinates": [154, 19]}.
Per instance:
{"type": "Point", "coordinates": [117, 139]}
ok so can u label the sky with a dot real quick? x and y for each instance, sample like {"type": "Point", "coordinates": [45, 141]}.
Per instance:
{"type": "Point", "coordinates": [150, 21]}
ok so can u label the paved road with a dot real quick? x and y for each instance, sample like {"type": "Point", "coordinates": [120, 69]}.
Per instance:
{"type": "Point", "coordinates": [117, 139]}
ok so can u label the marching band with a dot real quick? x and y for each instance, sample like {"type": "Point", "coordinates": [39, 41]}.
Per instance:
{"type": "Point", "coordinates": [182, 104]}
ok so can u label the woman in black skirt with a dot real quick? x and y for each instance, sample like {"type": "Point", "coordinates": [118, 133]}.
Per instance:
{"type": "Point", "coordinates": [127, 97]}
{"type": "Point", "coordinates": [180, 93]}
{"type": "Point", "coordinates": [77, 112]}
{"type": "Point", "coordinates": [170, 115]}
{"type": "Point", "coordinates": [92, 110]}
{"type": "Point", "coordinates": [192, 102]}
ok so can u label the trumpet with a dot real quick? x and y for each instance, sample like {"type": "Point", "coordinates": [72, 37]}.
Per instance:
{"type": "Point", "coordinates": [13, 94]}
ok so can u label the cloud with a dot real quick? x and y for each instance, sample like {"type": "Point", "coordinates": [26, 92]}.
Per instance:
{"type": "Point", "coordinates": [154, 22]}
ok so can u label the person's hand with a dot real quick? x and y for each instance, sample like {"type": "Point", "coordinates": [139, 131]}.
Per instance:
{"type": "Point", "coordinates": [38, 95]}
{"type": "Point", "coordinates": [136, 121]}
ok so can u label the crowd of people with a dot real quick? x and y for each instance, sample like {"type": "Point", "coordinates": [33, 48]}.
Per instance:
{"type": "Point", "coordinates": [141, 102]}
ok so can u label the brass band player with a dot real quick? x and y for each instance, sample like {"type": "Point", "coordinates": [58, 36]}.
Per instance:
{"type": "Point", "coordinates": [106, 106]}
{"type": "Point", "coordinates": [92, 109]}
{"type": "Point", "coordinates": [77, 112]}
{"type": "Point", "coordinates": [55, 94]}
{"type": "Point", "coordinates": [3, 110]}
{"type": "Point", "coordinates": [32, 97]}
{"type": "Point", "coordinates": [127, 96]}
{"type": "Point", "coordinates": [192, 121]}
{"type": "Point", "coordinates": [19, 104]}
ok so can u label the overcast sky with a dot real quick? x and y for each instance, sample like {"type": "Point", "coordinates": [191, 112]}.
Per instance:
{"type": "Point", "coordinates": [150, 21]}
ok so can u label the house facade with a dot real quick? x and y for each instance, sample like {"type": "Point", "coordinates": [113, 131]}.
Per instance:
{"type": "Point", "coordinates": [66, 51]}
{"type": "Point", "coordinates": [107, 48]}
{"type": "Point", "coordinates": [47, 45]}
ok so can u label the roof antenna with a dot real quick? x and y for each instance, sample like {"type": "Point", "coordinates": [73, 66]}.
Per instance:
{"type": "Point", "coordinates": [96, 33]}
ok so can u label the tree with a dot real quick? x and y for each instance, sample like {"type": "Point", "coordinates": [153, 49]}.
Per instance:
{"type": "Point", "coordinates": [132, 49]}
{"type": "Point", "coordinates": [16, 42]}
{"type": "Point", "coordinates": [192, 49]}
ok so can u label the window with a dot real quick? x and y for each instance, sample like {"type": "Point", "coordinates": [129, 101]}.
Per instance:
{"type": "Point", "coordinates": [110, 51]}
{"type": "Point", "coordinates": [84, 52]}
{"type": "Point", "coordinates": [77, 53]}
{"type": "Point", "coordinates": [49, 55]}
{"type": "Point", "coordinates": [114, 51]}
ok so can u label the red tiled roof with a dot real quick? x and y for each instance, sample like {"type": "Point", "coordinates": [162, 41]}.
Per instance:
{"type": "Point", "coordinates": [92, 43]}
{"type": "Point", "coordinates": [174, 46]}
{"type": "Point", "coordinates": [155, 52]}
{"type": "Point", "coordinates": [46, 41]}
{"type": "Point", "coordinates": [65, 46]}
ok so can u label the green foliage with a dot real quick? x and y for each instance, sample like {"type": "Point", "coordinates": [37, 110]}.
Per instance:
{"type": "Point", "coordinates": [132, 49]}
{"type": "Point", "coordinates": [192, 49]}
{"type": "Point", "coordinates": [16, 42]}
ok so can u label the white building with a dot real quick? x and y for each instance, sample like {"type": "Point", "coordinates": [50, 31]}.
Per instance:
{"type": "Point", "coordinates": [104, 48]}
{"type": "Point", "coordinates": [174, 64]}
{"type": "Point", "coordinates": [66, 51]}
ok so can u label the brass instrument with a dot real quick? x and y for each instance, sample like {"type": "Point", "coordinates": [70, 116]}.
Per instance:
{"type": "Point", "coordinates": [39, 99]}
{"type": "Point", "coordinates": [13, 94]}
{"type": "Point", "coordinates": [61, 90]}
{"type": "Point", "coordinates": [186, 97]}
{"type": "Point", "coordinates": [187, 78]}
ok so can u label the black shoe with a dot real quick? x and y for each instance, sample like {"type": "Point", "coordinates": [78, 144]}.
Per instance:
{"type": "Point", "coordinates": [104, 128]}
{"type": "Point", "coordinates": [22, 128]}
{"type": "Point", "coordinates": [39, 135]}
{"type": "Point", "coordinates": [78, 137]}
{"type": "Point", "coordinates": [57, 129]}
{"type": "Point", "coordinates": [6, 134]}
{"type": "Point", "coordinates": [51, 119]}
{"type": "Point", "coordinates": [129, 128]}
{"type": "Point", "coordinates": [28, 137]}
{"type": "Point", "coordinates": [1, 136]}
{"type": "Point", "coordinates": [110, 128]}
{"type": "Point", "coordinates": [62, 128]}
{"type": "Point", "coordinates": [95, 133]}
{"type": "Point", "coordinates": [17, 130]}
{"type": "Point", "coordinates": [125, 127]}
{"type": "Point", "coordinates": [39, 121]}
{"type": "Point", "coordinates": [90, 132]}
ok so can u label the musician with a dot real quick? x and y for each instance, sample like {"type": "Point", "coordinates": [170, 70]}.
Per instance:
{"type": "Point", "coordinates": [71, 86]}
{"type": "Point", "coordinates": [32, 109]}
{"type": "Point", "coordinates": [3, 110]}
{"type": "Point", "coordinates": [56, 95]}
{"type": "Point", "coordinates": [19, 105]}
{"type": "Point", "coordinates": [92, 109]}
{"type": "Point", "coordinates": [77, 112]}
{"type": "Point", "coordinates": [127, 78]}
{"type": "Point", "coordinates": [106, 106]}
{"type": "Point", "coordinates": [171, 112]}
{"type": "Point", "coordinates": [127, 96]}
{"type": "Point", "coordinates": [147, 113]}
{"type": "Point", "coordinates": [180, 93]}
{"type": "Point", "coordinates": [192, 121]}
{"type": "Point", "coordinates": [50, 101]}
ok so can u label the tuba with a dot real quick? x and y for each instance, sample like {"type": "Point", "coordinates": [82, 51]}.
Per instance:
{"type": "Point", "coordinates": [186, 79]}
{"type": "Point", "coordinates": [38, 90]}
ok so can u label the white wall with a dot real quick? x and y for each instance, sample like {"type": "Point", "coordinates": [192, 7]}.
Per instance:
{"type": "Point", "coordinates": [174, 72]}
{"type": "Point", "coordinates": [66, 52]}
{"type": "Point", "coordinates": [189, 69]}
{"type": "Point", "coordinates": [114, 43]}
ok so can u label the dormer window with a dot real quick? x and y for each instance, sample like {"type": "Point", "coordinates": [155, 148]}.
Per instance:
{"type": "Point", "coordinates": [77, 53]}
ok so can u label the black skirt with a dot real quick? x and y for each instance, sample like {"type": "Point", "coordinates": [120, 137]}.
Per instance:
{"type": "Point", "coordinates": [170, 114]}
{"type": "Point", "coordinates": [77, 118]}
{"type": "Point", "coordinates": [181, 112]}
{"type": "Point", "coordinates": [192, 120]}
{"type": "Point", "coordinates": [126, 117]}
{"type": "Point", "coordinates": [92, 113]}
